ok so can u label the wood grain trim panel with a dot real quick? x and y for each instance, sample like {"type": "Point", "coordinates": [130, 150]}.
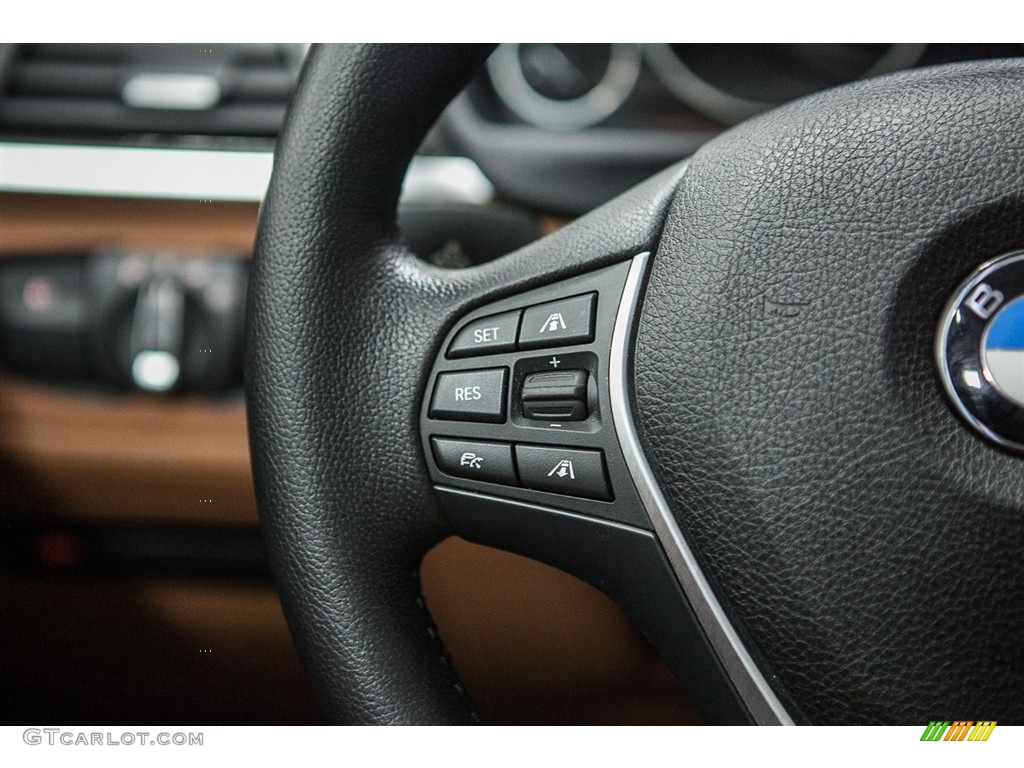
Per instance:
{"type": "Point", "coordinates": [40, 223]}
{"type": "Point", "coordinates": [130, 457]}
{"type": "Point", "coordinates": [124, 457]}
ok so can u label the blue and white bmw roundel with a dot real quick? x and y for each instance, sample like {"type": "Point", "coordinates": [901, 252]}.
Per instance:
{"type": "Point", "coordinates": [979, 349]}
{"type": "Point", "coordinates": [1003, 350]}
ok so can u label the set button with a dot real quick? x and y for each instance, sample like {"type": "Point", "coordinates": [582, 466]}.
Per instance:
{"type": "Point", "coordinates": [496, 333]}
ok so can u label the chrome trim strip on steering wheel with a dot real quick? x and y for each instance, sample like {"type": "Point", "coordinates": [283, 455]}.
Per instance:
{"type": "Point", "coordinates": [758, 696]}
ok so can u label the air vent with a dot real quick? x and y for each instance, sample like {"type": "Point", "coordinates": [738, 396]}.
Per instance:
{"type": "Point", "coordinates": [156, 94]}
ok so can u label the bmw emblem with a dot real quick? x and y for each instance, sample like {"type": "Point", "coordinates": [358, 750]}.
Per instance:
{"type": "Point", "coordinates": [980, 350]}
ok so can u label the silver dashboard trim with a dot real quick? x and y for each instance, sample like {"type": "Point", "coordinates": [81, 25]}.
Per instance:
{"type": "Point", "coordinates": [202, 174]}
{"type": "Point", "coordinates": [165, 90]}
{"type": "Point", "coordinates": [752, 686]}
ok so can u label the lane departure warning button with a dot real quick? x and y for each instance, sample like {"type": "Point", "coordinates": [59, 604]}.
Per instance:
{"type": "Point", "coordinates": [557, 323]}
{"type": "Point", "coordinates": [571, 471]}
{"type": "Point", "coordinates": [470, 396]}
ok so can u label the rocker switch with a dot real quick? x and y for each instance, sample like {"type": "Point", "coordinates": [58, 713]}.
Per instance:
{"type": "Point", "coordinates": [555, 396]}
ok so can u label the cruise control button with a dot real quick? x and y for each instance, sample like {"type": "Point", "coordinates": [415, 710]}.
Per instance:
{"type": "Point", "coordinates": [491, 462]}
{"type": "Point", "coordinates": [470, 396]}
{"type": "Point", "coordinates": [557, 323]}
{"type": "Point", "coordinates": [496, 333]}
{"type": "Point", "coordinates": [569, 471]}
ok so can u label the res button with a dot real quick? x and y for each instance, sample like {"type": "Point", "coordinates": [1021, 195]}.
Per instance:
{"type": "Point", "coordinates": [496, 333]}
{"type": "Point", "coordinates": [470, 396]}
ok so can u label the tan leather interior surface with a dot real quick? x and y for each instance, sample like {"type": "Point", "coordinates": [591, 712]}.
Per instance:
{"type": "Point", "coordinates": [533, 644]}
{"type": "Point", "coordinates": [536, 645]}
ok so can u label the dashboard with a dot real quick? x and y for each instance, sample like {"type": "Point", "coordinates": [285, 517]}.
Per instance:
{"type": "Point", "coordinates": [130, 184]}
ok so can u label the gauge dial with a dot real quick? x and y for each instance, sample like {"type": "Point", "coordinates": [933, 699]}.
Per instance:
{"type": "Point", "coordinates": [561, 86]}
{"type": "Point", "coordinates": [732, 82]}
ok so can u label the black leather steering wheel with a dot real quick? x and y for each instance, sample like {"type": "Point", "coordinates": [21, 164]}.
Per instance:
{"type": "Point", "coordinates": [791, 508]}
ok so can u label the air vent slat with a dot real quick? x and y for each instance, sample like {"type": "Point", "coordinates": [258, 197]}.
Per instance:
{"type": "Point", "coordinates": [264, 85]}
{"type": "Point", "coordinates": [77, 91]}
{"type": "Point", "coordinates": [60, 79]}
{"type": "Point", "coordinates": [108, 52]}
{"type": "Point", "coordinates": [258, 53]}
{"type": "Point", "coordinates": [68, 115]}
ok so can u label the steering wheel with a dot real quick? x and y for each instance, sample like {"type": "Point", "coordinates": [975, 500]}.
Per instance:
{"type": "Point", "coordinates": [715, 397]}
